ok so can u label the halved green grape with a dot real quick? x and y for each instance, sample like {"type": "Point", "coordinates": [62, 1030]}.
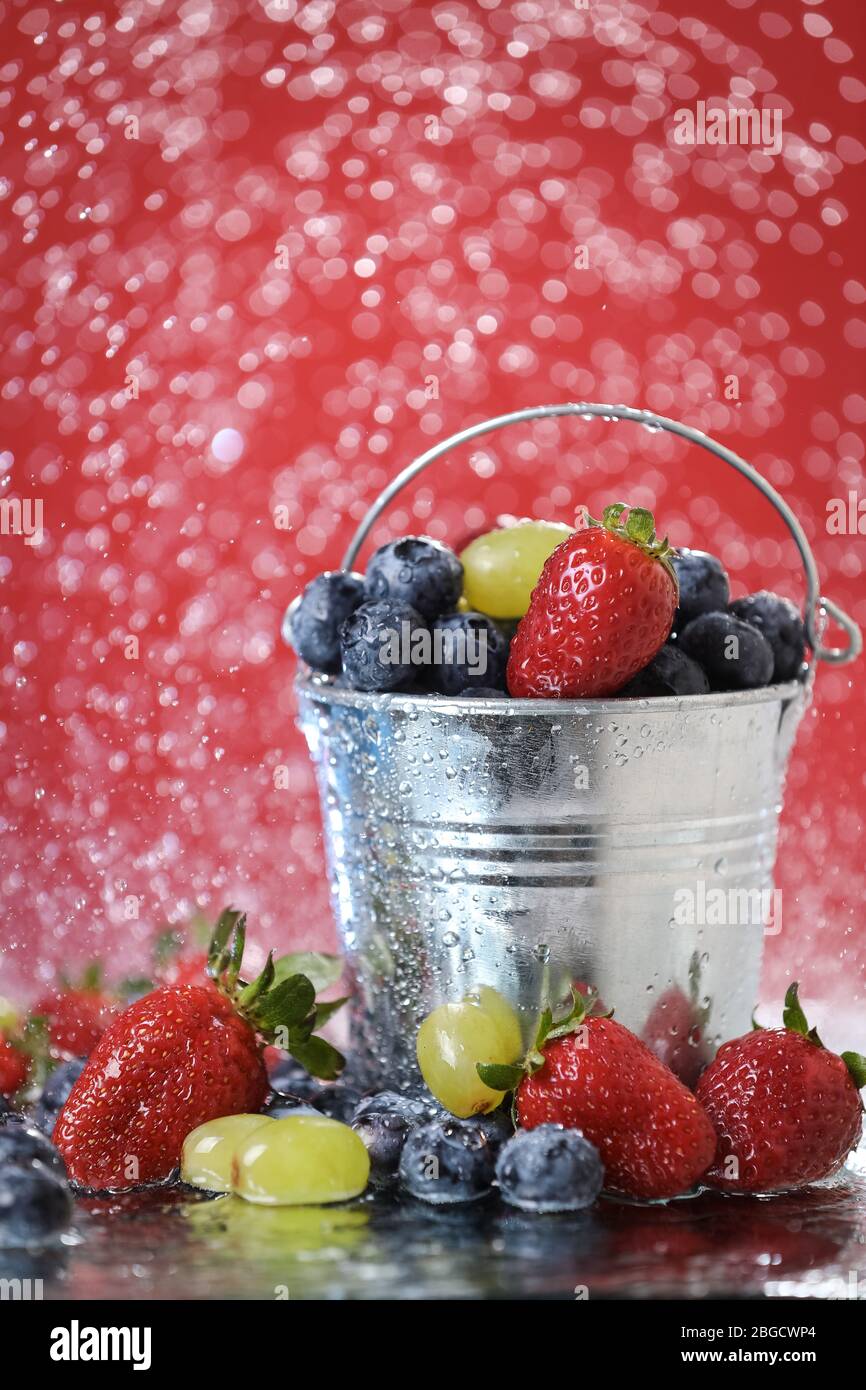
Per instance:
{"type": "Point", "coordinates": [501, 568]}
{"type": "Point", "coordinates": [304, 1160]}
{"type": "Point", "coordinates": [454, 1038]}
{"type": "Point", "coordinates": [209, 1149]}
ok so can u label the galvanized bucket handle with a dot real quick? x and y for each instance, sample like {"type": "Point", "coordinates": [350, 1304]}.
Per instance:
{"type": "Point", "coordinates": [816, 606]}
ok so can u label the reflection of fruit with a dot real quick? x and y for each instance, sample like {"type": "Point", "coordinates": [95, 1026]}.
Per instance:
{"type": "Point", "coordinates": [653, 1137]}
{"type": "Point", "coordinates": [786, 1110]}
{"type": "Point", "coordinates": [263, 1235]}
{"type": "Point", "coordinates": [599, 613]}
{"type": "Point", "coordinates": [305, 1160]}
{"type": "Point", "coordinates": [674, 1029]}
{"type": "Point", "coordinates": [447, 1161]}
{"type": "Point", "coordinates": [549, 1169]}
{"type": "Point", "coordinates": [502, 567]}
{"type": "Point", "coordinates": [209, 1150]}
{"type": "Point", "coordinates": [454, 1038]}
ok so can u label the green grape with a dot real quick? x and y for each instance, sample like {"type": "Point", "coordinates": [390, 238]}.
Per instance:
{"type": "Point", "coordinates": [454, 1038]}
{"type": "Point", "coordinates": [501, 569]}
{"type": "Point", "coordinates": [209, 1150]}
{"type": "Point", "coordinates": [304, 1160]}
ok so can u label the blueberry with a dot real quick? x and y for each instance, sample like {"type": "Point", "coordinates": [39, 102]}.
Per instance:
{"type": "Point", "coordinates": [412, 1109]}
{"type": "Point", "coordinates": [338, 1102]}
{"type": "Point", "coordinates": [780, 623]}
{"type": "Point", "coordinates": [312, 622]}
{"type": "Point", "coordinates": [418, 571]}
{"type": "Point", "coordinates": [703, 586]}
{"type": "Point", "coordinates": [55, 1093]}
{"type": "Point", "coordinates": [383, 645]}
{"type": "Point", "coordinates": [497, 1126]}
{"type": "Point", "coordinates": [13, 1118]}
{"type": "Point", "coordinates": [447, 1161]}
{"type": "Point", "coordinates": [22, 1143]}
{"type": "Point", "coordinates": [550, 1168]}
{"type": "Point", "coordinates": [280, 1105]}
{"type": "Point", "coordinates": [468, 650]}
{"type": "Point", "coordinates": [384, 1132]}
{"type": "Point", "coordinates": [34, 1204]}
{"type": "Point", "coordinates": [384, 1121]}
{"type": "Point", "coordinates": [670, 672]}
{"type": "Point", "coordinates": [288, 1078]}
{"type": "Point", "coordinates": [734, 654]}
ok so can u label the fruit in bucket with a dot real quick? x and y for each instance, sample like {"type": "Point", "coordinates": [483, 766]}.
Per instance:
{"type": "Point", "coordinates": [600, 612]}
{"type": "Point", "coordinates": [502, 567]}
{"type": "Point", "coordinates": [557, 613]}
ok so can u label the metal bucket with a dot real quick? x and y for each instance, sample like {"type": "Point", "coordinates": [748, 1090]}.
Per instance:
{"type": "Point", "coordinates": [529, 844]}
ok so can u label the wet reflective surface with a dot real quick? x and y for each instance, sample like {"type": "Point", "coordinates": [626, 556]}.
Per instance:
{"type": "Point", "coordinates": [177, 1245]}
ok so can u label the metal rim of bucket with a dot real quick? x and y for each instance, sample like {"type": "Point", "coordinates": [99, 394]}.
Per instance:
{"type": "Point", "coordinates": [324, 690]}
{"type": "Point", "coordinates": [816, 608]}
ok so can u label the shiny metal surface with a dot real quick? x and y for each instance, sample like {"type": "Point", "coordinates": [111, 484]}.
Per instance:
{"type": "Point", "coordinates": [528, 844]}
{"type": "Point", "coordinates": [173, 1245]}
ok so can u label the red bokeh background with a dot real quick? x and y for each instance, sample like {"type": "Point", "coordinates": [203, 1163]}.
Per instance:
{"type": "Point", "coordinates": [255, 258]}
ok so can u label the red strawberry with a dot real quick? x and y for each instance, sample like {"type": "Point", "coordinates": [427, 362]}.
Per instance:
{"type": "Point", "coordinates": [186, 970]}
{"type": "Point", "coordinates": [180, 956]}
{"type": "Point", "coordinates": [785, 1109]}
{"type": "Point", "coordinates": [13, 1067]}
{"type": "Point", "coordinates": [180, 1056]}
{"type": "Point", "coordinates": [75, 1018]}
{"type": "Point", "coordinates": [592, 1074]}
{"type": "Point", "coordinates": [599, 613]}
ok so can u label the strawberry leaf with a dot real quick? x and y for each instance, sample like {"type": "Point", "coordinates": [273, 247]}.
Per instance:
{"type": "Point", "coordinates": [236, 954]}
{"type": "Point", "coordinates": [327, 1008]}
{"type": "Point", "coordinates": [166, 946]}
{"type": "Point", "coordinates": [640, 526]}
{"type": "Point", "coordinates": [219, 953]}
{"type": "Point", "coordinates": [251, 992]}
{"type": "Point", "coordinates": [793, 1016]}
{"type": "Point", "coordinates": [856, 1064]}
{"type": "Point", "coordinates": [611, 515]}
{"type": "Point", "coordinates": [318, 1056]}
{"type": "Point", "coordinates": [321, 969]}
{"type": "Point", "coordinates": [545, 1023]}
{"type": "Point", "coordinates": [499, 1077]}
{"type": "Point", "coordinates": [285, 1005]}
